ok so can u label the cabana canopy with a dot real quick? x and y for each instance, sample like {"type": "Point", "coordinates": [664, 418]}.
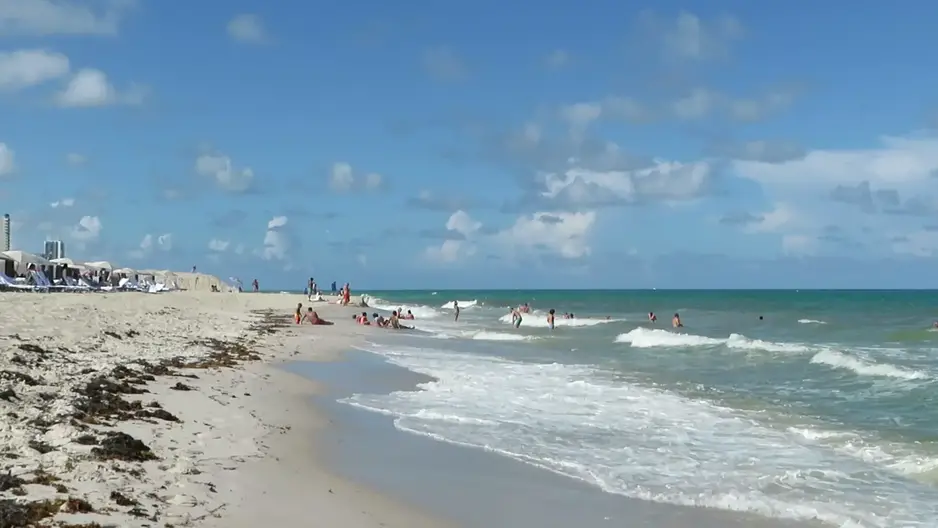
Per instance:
{"type": "Point", "coordinates": [126, 271]}
{"type": "Point", "coordinates": [24, 259]}
{"type": "Point", "coordinates": [100, 265]}
{"type": "Point", "coordinates": [70, 263]}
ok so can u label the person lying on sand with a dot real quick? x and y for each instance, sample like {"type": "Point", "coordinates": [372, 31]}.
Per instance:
{"type": "Point", "coordinates": [314, 318]}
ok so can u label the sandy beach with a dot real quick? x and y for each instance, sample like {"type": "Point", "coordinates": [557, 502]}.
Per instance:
{"type": "Point", "coordinates": [129, 409]}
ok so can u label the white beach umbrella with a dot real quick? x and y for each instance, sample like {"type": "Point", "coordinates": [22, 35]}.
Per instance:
{"type": "Point", "coordinates": [100, 265]}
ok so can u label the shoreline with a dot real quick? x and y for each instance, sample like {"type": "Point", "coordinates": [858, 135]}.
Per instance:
{"type": "Point", "coordinates": [135, 410]}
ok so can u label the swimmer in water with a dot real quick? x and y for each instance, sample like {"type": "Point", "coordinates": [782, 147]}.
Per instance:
{"type": "Point", "coordinates": [515, 317]}
{"type": "Point", "coordinates": [652, 318]}
{"type": "Point", "coordinates": [456, 307]}
{"type": "Point", "coordinates": [550, 319]}
{"type": "Point", "coordinates": [676, 321]}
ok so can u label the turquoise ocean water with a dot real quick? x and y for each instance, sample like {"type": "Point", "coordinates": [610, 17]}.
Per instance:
{"type": "Point", "coordinates": [826, 408]}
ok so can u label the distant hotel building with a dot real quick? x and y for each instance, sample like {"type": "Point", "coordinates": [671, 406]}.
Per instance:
{"type": "Point", "coordinates": [55, 249]}
{"type": "Point", "coordinates": [6, 233]}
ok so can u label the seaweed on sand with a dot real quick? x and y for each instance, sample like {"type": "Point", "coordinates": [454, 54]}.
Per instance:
{"type": "Point", "coordinates": [122, 446]}
{"type": "Point", "coordinates": [14, 376]}
{"type": "Point", "coordinates": [15, 514]}
{"type": "Point", "coordinates": [101, 398]}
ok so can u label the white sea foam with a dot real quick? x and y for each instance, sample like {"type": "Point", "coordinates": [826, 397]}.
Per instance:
{"type": "Point", "coordinates": [645, 443]}
{"type": "Point", "coordinates": [863, 367]}
{"type": "Point", "coordinates": [462, 304]}
{"type": "Point", "coordinates": [539, 320]}
{"type": "Point", "coordinates": [654, 337]}
{"type": "Point", "coordinates": [420, 311]}
{"type": "Point", "coordinates": [810, 321]}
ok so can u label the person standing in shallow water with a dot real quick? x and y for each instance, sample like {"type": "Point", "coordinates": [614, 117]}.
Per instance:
{"type": "Point", "coordinates": [456, 307]}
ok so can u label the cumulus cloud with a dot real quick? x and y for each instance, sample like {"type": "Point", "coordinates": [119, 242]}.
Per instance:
{"type": "Point", "coordinates": [218, 246]}
{"type": "Point", "coordinates": [24, 68]}
{"type": "Point", "coordinates": [247, 28]}
{"type": "Point", "coordinates": [150, 243]}
{"type": "Point", "coordinates": [224, 173]}
{"type": "Point", "coordinates": [64, 202]}
{"type": "Point", "coordinates": [92, 88]}
{"type": "Point", "coordinates": [62, 17]}
{"type": "Point", "coordinates": [88, 229]}
{"type": "Point", "coordinates": [661, 182]}
{"type": "Point", "coordinates": [342, 178]}
{"type": "Point", "coordinates": [7, 160]}
{"type": "Point", "coordinates": [564, 235]}
{"type": "Point", "coordinates": [276, 240]}
{"type": "Point", "coordinates": [688, 37]}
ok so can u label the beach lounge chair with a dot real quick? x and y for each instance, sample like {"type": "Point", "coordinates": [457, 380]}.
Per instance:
{"type": "Point", "coordinates": [9, 283]}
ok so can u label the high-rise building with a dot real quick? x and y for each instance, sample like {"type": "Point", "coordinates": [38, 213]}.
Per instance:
{"type": "Point", "coordinates": [55, 249]}
{"type": "Point", "coordinates": [6, 233]}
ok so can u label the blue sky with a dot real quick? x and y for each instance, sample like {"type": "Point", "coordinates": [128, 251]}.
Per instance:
{"type": "Point", "coordinates": [702, 144]}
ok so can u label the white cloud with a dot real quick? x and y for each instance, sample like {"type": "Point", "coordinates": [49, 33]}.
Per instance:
{"type": "Point", "coordinates": [7, 160]}
{"type": "Point", "coordinates": [226, 176]}
{"type": "Point", "coordinates": [277, 222]}
{"type": "Point", "coordinates": [579, 116]}
{"type": "Point", "coordinates": [88, 229]}
{"type": "Point", "coordinates": [25, 68]}
{"type": "Point", "coordinates": [247, 28]}
{"type": "Point", "coordinates": [91, 88]}
{"type": "Point", "coordinates": [276, 241]}
{"type": "Point", "coordinates": [61, 17]}
{"type": "Point", "coordinates": [463, 224]}
{"type": "Point", "coordinates": [663, 181]}
{"type": "Point", "coordinates": [75, 160]}
{"type": "Point", "coordinates": [450, 251]}
{"type": "Point", "coordinates": [898, 162]}
{"type": "Point", "coordinates": [64, 202]}
{"type": "Point", "coordinates": [165, 242]}
{"type": "Point", "coordinates": [149, 243]}
{"type": "Point", "coordinates": [217, 245]}
{"type": "Point", "coordinates": [562, 234]}
{"type": "Point", "coordinates": [565, 234]}
{"type": "Point", "coordinates": [689, 37]}
{"type": "Point", "coordinates": [342, 178]}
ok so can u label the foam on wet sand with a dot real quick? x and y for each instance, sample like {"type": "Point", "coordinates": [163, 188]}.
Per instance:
{"type": "Point", "coordinates": [132, 410]}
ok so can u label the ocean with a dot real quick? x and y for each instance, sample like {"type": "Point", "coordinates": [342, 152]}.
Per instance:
{"type": "Point", "coordinates": [826, 408]}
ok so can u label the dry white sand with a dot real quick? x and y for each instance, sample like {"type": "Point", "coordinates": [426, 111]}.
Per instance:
{"type": "Point", "coordinates": [243, 452]}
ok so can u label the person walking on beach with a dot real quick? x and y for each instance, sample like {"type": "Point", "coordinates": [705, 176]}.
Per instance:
{"type": "Point", "coordinates": [346, 294]}
{"type": "Point", "coordinates": [255, 286]}
{"type": "Point", "coordinates": [333, 287]}
{"type": "Point", "coordinates": [456, 307]}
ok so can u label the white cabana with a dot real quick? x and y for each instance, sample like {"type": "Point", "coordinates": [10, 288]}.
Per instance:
{"type": "Point", "coordinates": [100, 265]}
{"type": "Point", "coordinates": [70, 263]}
{"type": "Point", "coordinates": [24, 259]}
{"type": "Point", "coordinates": [130, 272]}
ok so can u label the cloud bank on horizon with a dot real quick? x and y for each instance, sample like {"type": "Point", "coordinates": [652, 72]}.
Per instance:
{"type": "Point", "coordinates": [457, 147]}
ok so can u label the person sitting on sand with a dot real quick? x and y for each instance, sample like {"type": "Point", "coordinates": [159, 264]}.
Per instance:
{"type": "Point", "coordinates": [314, 318]}
{"type": "Point", "coordinates": [298, 317]}
{"type": "Point", "coordinates": [379, 320]}
{"type": "Point", "coordinates": [363, 319]}
{"type": "Point", "coordinates": [676, 321]}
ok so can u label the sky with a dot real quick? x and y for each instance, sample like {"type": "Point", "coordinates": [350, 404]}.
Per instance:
{"type": "Point", "coordinates": [718, 144]}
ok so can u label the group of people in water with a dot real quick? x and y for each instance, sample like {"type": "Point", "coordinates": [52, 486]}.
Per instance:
{"type": "Point", "coordinates": [393, 322]}
{"type": "Point", "coordinates": [675, 321]}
